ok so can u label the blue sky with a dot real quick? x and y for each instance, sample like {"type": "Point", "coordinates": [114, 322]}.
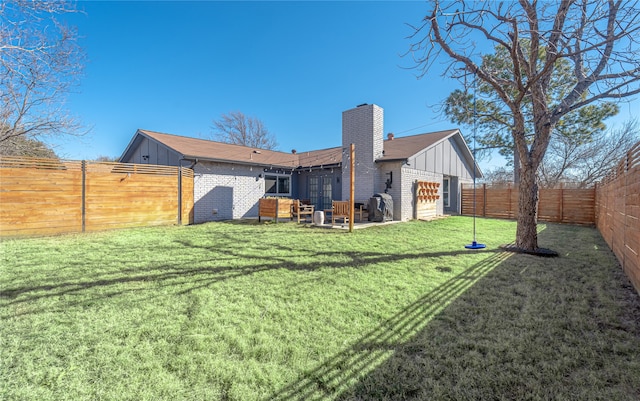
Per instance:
{"type": "Point", "coordinates": [174, 67]}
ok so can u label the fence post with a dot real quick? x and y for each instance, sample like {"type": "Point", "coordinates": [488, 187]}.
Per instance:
{"type": "Point", "coordinates": [596, 207]}
{"type": "Point", "coordinates": [561, 202]}
{"type": "Point", "coordinates": [510, 214]}
{"type": "Point", "coordinates": [484, 200]}
{"type": "Point", "coordinates": [83, 165]}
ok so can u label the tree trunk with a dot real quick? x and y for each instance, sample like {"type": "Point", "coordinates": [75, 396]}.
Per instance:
{"type": "Point", "coordinates": [516, 165]}
{"type": "Point", "coordinates": [527, 234]}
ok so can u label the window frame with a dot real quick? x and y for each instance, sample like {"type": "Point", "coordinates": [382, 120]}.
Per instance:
{"type": "Point", "coordinates": [277, 178]}
{"type": "Point", "coordinates": [446, 201]}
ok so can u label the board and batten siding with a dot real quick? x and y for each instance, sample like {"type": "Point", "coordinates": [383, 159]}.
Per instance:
{"type": "Point", "coordinates": [157, 154]}
{"type": "Point", "coordinates": [443, 158]}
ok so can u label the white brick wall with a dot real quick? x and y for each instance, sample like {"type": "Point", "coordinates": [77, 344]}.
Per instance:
{"type": "Point", "coordinates": [231, 190]}
{"type": "Point", "coordinates": [362, 126]}
{"type": "Point", "coordinates": [402, 188]}
{"type": "Point", "coordinates": [409, 177]}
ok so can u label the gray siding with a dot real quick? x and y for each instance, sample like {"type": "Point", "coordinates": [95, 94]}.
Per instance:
{"type": "Point", "coordinates": [301, 180]}
{"type": "Point", "coordinates": [443, 158]}
{"type": "Point", "coordinates": [158, 154]}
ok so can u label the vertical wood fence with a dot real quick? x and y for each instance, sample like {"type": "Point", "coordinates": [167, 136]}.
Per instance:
{"type": "Point", "coordinates": [562, 205]}
{"type": "Point", "coordinates": [613, 206]}
{"type": "Point", "coordinates": [618, 213]}
{"type": "Point", "coordinates": [48, 196]}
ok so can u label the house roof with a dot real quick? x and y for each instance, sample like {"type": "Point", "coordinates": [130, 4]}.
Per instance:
{"type": "Point", "coordinates": [323, 157]}
{"type": "Point", "coordinates": [399, 148]}
{"type": "Point", "coordinates": [203, 149]}
{"type": "Point", "coordinates": [404, 147]}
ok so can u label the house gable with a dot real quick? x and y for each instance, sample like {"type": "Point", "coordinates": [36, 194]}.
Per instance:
{"type": "Point", "coordinates": [147, 150]}
{"type": "Point", "coordinates": [442, 152]}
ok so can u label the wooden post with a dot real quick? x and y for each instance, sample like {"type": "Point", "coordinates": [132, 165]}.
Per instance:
{"type": "Point", "coordinates": [561, 202]}
{"type": "Point", "coordinates": [484, 200]}
{"type": "Point", "coordinates": [179, 195]}
{"type": "Point", "coordinates": [352, 183]}
{"type": "Point", "coordinates": [509, 200]}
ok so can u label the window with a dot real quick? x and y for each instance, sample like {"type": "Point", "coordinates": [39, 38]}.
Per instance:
{"type": "Point", "coordinates": [326, 191]}
{"type": "Point", "coordinates": [445, 191]}
{"type": "Point", "coordinates": [277, 184]}
{"type": "Point", "coordinates": [314, 191]}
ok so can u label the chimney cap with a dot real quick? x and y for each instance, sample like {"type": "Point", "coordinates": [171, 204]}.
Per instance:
{"type": "Point", "coordinates": [390, 136]}
{"type": "Point", "coordinates": [363, 104]}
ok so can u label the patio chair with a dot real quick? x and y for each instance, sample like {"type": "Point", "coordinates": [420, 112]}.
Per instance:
{"type": "Point", "coordinates": [301, 209]}
{"type": "Point", "coordinates": [360, 209]}
{"type": "Point", "coordinates": [340, 210]}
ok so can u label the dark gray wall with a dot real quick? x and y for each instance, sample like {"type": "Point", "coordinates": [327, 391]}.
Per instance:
{"type": "Point", "coordinates": [158, 154]}
{"type": "Point", "coordinates": [444, 158]}
{"type": "Point", "coordinates": [302, 182]}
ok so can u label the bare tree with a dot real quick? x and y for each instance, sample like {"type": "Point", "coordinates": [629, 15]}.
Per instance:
{"type": "Point", "coordinates": [23, 146]}
{"type": "Point", "coordinates": [599, 39]}
{"type": "Point", "coordinates": [585, 163]}
{"type": "Point", "coordinates": [237, 128]}
{"type": "Point", "coordinates": [40, 62]}
{"type": "Point", "coordinates": [109, 159]}
{"type": "Point", "coordinates": [499, 176]}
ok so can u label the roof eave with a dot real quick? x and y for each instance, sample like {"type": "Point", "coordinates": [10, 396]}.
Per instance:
{"type": "Point", "coordinates": [229, 161]}
{"type": "Point", "coordinates": [395, 159]}
{"type": "Point", "coordinates": [314, 166]}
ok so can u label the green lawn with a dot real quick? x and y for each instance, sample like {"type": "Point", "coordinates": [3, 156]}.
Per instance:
{"type": "Point", "coordinates": [247, 311]}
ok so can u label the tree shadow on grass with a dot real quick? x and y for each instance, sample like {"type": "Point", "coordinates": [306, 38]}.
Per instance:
{"type": "Point", "coordinates": [339, 373]}
{"type": "Point", "coordinates": [512, 327]}
{"type": "Point", "coordinates": [214, 263]}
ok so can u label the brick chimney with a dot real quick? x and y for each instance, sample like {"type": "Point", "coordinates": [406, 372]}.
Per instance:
{"type": "Point", "coordinates": [362, 126]}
